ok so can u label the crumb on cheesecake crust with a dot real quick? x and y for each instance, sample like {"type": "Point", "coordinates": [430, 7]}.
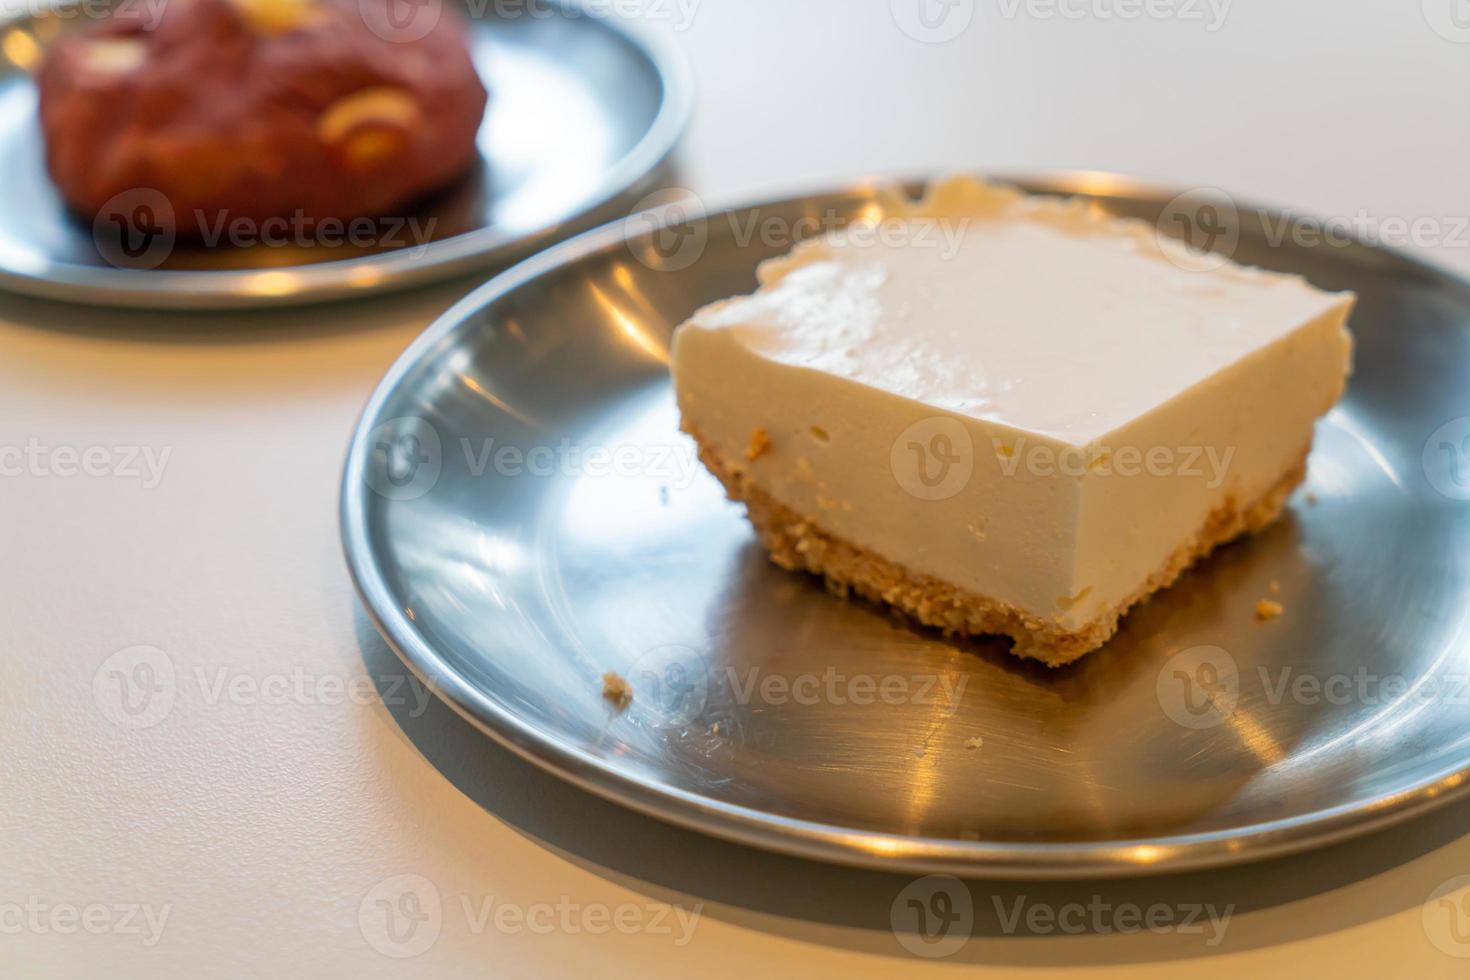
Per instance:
{"type": "Point", "coordinates": [1268, 609]}
{"type": "Point", "coordinates": [760, 443]}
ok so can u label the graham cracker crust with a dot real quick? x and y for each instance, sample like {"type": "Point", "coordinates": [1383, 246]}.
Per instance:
{"type": "Point", "coordinates": [795, 543]}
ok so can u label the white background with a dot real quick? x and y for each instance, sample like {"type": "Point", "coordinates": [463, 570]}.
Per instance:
{"type": "Point", "coordinates": [267, 830]}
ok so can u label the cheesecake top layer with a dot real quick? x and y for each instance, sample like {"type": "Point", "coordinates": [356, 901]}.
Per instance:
{"type": "Point", "coordinates": [1037, 313]}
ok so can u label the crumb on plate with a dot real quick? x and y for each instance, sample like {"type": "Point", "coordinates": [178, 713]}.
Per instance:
{"type": "Point", "coordinates": [616, 689]}
{"type": "Point", "coordinates": [1266, 609]}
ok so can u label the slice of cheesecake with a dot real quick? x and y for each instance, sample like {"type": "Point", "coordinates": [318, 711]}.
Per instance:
{"type": "Point", "coordinates": [1008, 414]}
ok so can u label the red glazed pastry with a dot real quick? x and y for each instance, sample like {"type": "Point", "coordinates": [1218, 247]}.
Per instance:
{"type": "Point", "coordinates": [257, 109]}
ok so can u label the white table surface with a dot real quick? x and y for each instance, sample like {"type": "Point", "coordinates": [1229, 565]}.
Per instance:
{"type": "Point", "coordinates": [263, 814]}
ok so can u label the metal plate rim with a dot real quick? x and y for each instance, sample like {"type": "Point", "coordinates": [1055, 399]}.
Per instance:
{"type": "Point", "coordinates": [330, 281]}
{"type": "Point", "coordinates": [809, 839]}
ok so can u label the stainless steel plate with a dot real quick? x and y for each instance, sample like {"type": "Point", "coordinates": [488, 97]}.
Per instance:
{"type": "Point", "coordinates": [521, 515]}
{"type": "Point", "coordinates": [583, 112]}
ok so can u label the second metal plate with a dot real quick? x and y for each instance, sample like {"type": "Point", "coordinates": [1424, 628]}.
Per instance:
{"type": "Point", "coordinates": [583, 111]}
{"type": "Point", "coordinates": [521, 514]}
